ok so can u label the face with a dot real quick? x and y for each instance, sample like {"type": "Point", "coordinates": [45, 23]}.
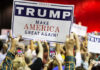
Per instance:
{"type": "Point", "coordinates": [18, 62]}
{"type": "Point", "coordinates": [45, 55]}
{"type": "Point", "coordinates": [85, 43]}
{"type": "Point", "coordinates": [19, 52]}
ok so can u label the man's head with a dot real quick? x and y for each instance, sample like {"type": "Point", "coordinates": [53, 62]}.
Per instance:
{"type": "Point", "coordinates": [20, 48]}
{"type": "Point", "coordinates": [18, 62]}
{"type": "Point", "coordinates": [85, 43]}
{"type": "Point", "coordinates": [28, 57]}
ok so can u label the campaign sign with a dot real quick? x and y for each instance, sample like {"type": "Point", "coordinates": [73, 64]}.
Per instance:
{"type": "Point", "coordinates": [93, 43]}
{"type": "Point", "coordinates": [5, 31]}
{"type": "Point", "coordinates": [42, 21]}
{"type": "Point", "coordinates": [79, 30]}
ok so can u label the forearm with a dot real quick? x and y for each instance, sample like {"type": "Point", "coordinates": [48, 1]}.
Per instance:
{"type": "Point", "coordinates": [58, 48]}
{"type": "Point", "coordinates": [40, 54]}
{"type": "Point", "coordinates": [13, 43]}
{"type": "Point", "coordinates": [31, 45]}
{"type": "Point", "coordinates": [62, 50]}
{"type": "Point", "coordinates": [47, 48]}
{"type": "Point", "coordinates": [77, 43]}
{"type": "Point", "coordinates": [90, 67]}
{"type": "Point", "coordinates": [60, 66]}
{"type": "Point", "coordinates": [47, 64]}
{"type": "Point", "coordinates": [45, 68]}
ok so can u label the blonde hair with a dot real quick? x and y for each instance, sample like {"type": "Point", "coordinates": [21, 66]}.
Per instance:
{"type": "Point", "coordinates": [24, 68]}
{"type": "Point", "coordinates": [20, 45]}
{"type": "Point", "coordinates": [5, 46]}
{"type": "Point", "coordinates": [18, 62]}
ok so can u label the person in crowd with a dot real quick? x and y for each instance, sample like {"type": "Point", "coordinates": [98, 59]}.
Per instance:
{"type": "Point", "coordinates": [46, 65]}
{"type": "Point", "coordinates": [19, 61]}
{"type": "Point", "coordinates": [59, 50]}
{"type": "Point", "coordinates": [56, 58]}
{"type": "Point", "coordinates": [70, 59]}
{"type": "Point", "coordinates": [92, 63]}
{"type": "Point", "coordinates": [3, 51]}
{"type": "Point", "coordinates": [77, 51]}
{"type": "Point", "coordinates": [37, 55]}
{"type": "Point", "coordinates": [20, 64]}
{"type": "Point", "coordinates": [85, 54]}
{"type": "Point", "coordinates": [30, 54]}
{"type": "Point", "coordinates": [7, 62]}
{"type": "Point", "coordinates": [73, 60]}
{"type": "Point", "coordinates": [37, 63]}
{"type": "Point", "coordinates": [45, 53]}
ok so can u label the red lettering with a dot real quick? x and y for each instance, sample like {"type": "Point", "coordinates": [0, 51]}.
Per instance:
{"type": "Point", "coordinates": [40, 27]}
{"type": "Point", "coordinates": [37, 27]}
{"type": "Point", "coordinates": [51, 28]}
{"type": "Point", "coordinates": [32, 27]}
{"type": "Point", "coordinates": [48, 28]}
{"type": "Point", "coordinates": [44, 28]}
{"type": "Point", "coordinates": [26, 26]}
{"type": "Point", "coordinates": [57, 29]}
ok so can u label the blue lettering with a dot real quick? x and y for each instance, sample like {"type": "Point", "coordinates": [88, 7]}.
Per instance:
{"type": "Point", "coordinates": [41, 12]}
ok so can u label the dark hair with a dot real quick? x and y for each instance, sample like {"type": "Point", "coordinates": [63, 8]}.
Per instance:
{"type": "Point", "coordinates": [96, 68]}
{"type": "Point", "coordinates": [1, 44]}
{"type": "Point", "coordinates": [45, 48]}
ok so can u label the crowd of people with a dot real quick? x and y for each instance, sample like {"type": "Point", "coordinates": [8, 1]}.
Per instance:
{"type": "Point", "coordinates": [71, 55]}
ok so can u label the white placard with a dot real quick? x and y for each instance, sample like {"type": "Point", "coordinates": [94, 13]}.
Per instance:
{"type": "Point", "coordinates": [42, 21]}
{"type": "Point", "coordinates": [93, 43]}
{"type": "Point", "coordinates": [79, 30]}
{"type": "Point", "coordinates": [3, 37]}
{"type": "Point", "coordinates": [5, 31]}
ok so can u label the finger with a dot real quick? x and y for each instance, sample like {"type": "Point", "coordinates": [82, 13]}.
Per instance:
{"type": "Point", "coordinates": [71, 36]}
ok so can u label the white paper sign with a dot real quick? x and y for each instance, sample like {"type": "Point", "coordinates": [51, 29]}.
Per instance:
{"type": "Point", "coordinates": [93, 43]}
{"type": "Point", "coordinates": [5, 31]}
{"type": "Point", "coordinates": [42, 21]}
{"type": "Point", "coordinates": [79, 30]}
{"type": "Point", "coordinates": [3, 37]}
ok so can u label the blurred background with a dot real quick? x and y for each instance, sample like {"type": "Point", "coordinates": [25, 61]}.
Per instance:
{"type": "Point", "coordinates": [86, 11]}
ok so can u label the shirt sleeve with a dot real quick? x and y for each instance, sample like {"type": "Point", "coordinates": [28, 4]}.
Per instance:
{"type": "Point", "coordinates": [78, 59]}
{"type": "Point", "coordinates": [37, 65]}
